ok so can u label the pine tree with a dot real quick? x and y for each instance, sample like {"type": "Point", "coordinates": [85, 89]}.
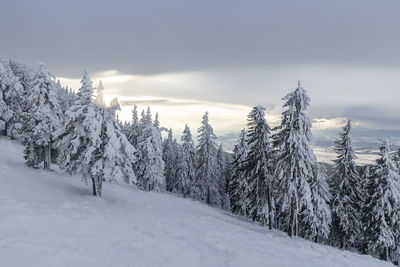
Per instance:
{"type": "Point", "coordinates": [207, 180]}
{"type": "Point", "coordinates": [238, 187]}
{"type": "Point", "coordinates": [117, 154]}
{"type": "Point", "coordinates": [41, 119]}
{"type": "Point", "coordinates": [132, 130]}
{"type": "Point", "coordinates": [346, 192]}
{"type": "Point", "coordinates": [11, 92]}
{"type": "Point", "coordinates": [150, 165]}
{"type": "Point", "coordinates": [189, 160]}
{"type": "Point", "coordinates": [382, 206]}
{"type": "Point", "coordinates": [294, 163]}
{"type": "Point", "coordinates": [261, 204]}
{"type": "Point", "coordinates": [320, 227]}
{"type": "Point", "coordinates": [223, 175]}
{"type": "Point", "coordinates": [182, 181]}
{"type": "Point", "coordinates": [79, 143]}
{"type": "Point", "coordinates": [170, 160]}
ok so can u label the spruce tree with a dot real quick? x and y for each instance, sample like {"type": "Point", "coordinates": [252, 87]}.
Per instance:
{"type": "Point", "coordinates": [261, 204]}
{"type": "Point", "coordinates": [320, 226]}
{"type": "Point", "coordinates": [238, 187]}
{"type": "Point", "coordinates": [294, 163]}
{"type": "Point", "coordinates": [41, 119]}
{"type": "Point", "coordinates": [150, 165]}
{"type": "Point", "coordinates": [11, 102]}
{"type": "Point", "coordinates": [207, 180]}
{"type": "Point", "coordinates": [170, 160]}
{"type": "Point", "coordinates": [189, 160]}
{"type": "Point", "coordinates": [223, 174]}
{"type": "Point", "coordinates": [80, 140]}
{"type": "Point", "coordinates": [382, 206]}
{"type": "Point", "coordinates": [182, 181]}
{"type": "Point", "coordinates": [346, 192]}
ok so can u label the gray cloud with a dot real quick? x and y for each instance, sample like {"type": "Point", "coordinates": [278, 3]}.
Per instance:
{"type": "Point", "coordinates": [158, 36]}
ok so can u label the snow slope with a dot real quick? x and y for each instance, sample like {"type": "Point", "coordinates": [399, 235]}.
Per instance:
{"type": "Point", "coordinates": [47, 219]}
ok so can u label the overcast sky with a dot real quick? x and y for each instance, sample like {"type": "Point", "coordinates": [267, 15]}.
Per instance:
{"type": "Point", "coordinates": [183, 57]}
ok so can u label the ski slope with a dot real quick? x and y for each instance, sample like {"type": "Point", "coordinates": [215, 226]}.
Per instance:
{"type": "Point", "coordinates": [48, 219]}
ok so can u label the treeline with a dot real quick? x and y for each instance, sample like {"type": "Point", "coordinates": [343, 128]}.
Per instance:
{"type": "Point", "coordinates": [272, 177]}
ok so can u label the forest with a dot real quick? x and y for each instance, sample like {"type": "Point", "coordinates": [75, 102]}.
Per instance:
{"type": "Point", "coordinates": [272, 177]}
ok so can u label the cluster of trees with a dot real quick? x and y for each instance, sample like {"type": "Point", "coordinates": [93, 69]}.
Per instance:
{"type": "Point", "coordinates": [272, 177]}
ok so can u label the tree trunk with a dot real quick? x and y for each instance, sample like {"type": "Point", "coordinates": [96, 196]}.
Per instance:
{"type": "Point", "coordinates": [94, 187]}
{"type": "Point", "coordinates": [270, 219]}
{"type": "Point", "coordinates": [292, 231]}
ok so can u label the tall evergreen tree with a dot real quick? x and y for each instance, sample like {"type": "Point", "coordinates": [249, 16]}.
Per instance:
{"type": "Point", "coordinates": [238, 187]}
{"type": "Point", "coordinates": [223, 174]}
{"type": "Point", "coordinates": [150, 165]}
{"type": "Point", "coordinates": [294, 163]}
{"type": "Point", "coordinates": [80, 140]}
{"type": "Point", "coordinates": [346, 192]}
{"type": "Point", "coordinates": [41, 119]}
{"type": "Point", "coordinates": [261, 204]}
{"type": "Point", "coordinates": [11, 93]}
{"type": "Point", "coordinates": [207, 180]}
{"type": "Point", "coordinates": [189, 160]}
{"type": "Point", "coordinates": [320, 226]}
{"type": "Point", "coordinates": [382, 206]}
{"type": "Point", "coordinates": [132, 130]}
{"type": "Point", "coordinates": [170, 160]}
{"type": "Point", "coordinates": [182, 181]}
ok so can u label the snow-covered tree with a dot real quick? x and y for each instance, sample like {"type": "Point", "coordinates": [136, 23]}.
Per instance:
{"type": "Point", "coordinates": [294, 163]}
{"type": "Point", "coordinates": [150, 165]}
{"type": "Point", "coordinates": [181, 180]}
{"type": "Point", "coordinates": [80, 140]}
{"type": "Point", "coordinates": [117, 154]}
{"type": "Point", "coordinates": [41, 119]}
{"type": "Point", "coordinates": [223, 174]}
{"type": "Point", "coordinates": [11, 92]}
{"type": "Point", "coordinates": [320, 226]}
{"type": "Point", "coordinates": [382, 206]}
{"type": "Point", "coordinates": [132, 130]}
{"type": "Point", "coordinates": [238, 187]}
{"type": "Point", "coordinates": [346, 192]}
{"type": "Point", "coordinates": [170, 160]}
{"type": "Point", "coordinates": [189, 160]}
{"type": "Point", "coordinates": [207, 180]}
{"type": "Point", "coordinates": [261, 204]}
{"type": "Point", "coordinates": [92, 144]}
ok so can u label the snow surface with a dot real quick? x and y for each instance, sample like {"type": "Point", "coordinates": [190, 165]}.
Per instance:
{"type": "Point", "coordinates": [48, 219]}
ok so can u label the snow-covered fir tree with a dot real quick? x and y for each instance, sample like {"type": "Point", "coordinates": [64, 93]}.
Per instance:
{"type": "Point", "coordinates": [132, 130]}
{"type": "Point", "coordinates": [92, 142]}
{"type": "Point", "coordinates": [150, 165]}
{"type": "Point", "coordinates": [170, 160]}
{"type": "Point", "coordinates": [206, 176]}
{"type": "Point", "coordinates": [117, 154]}
{"type": "Point", "coordinates": [181, 180]}
{"type": "Point", "coordinates": [224, 175]}
{"type": "Point", "coordinates": [238, 187]}
{"type": "Point", "coordinates": [260, 200]}
{"type": "Point", "coordinates": [11, 102]}
{"type": "Point", "coordinates": [294, 164]}
{"type": "Point", "coordinates": [320, 226]}
{"type": "Point", "coordinates": [382, 206]}
{"type": "Point", "coordinates": [346, 192]}
{"type": "Point", "coordinates": [80, 140]}
{"type": "Point", "coordinates": [41, 119]}
{"type": "Point", "coordinates": [189, 159]}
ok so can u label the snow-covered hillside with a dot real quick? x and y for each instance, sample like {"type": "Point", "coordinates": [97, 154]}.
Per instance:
{"type": "Point", "coordinates": [47, 219]}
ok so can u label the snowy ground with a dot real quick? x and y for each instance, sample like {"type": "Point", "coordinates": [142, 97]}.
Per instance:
{"type": "Point", "coordinates": [47, 219]}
